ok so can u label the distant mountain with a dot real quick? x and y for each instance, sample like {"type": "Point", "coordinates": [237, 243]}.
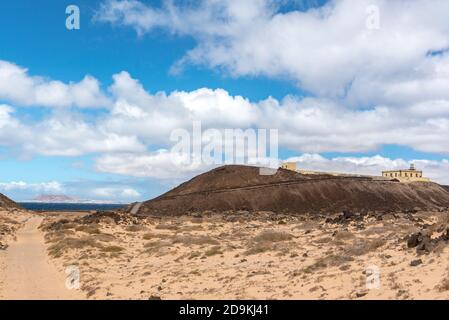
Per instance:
{"type": "Point", "coordinates": [54, 198]}
{"type": "Point", "coordinates": [45, 198]}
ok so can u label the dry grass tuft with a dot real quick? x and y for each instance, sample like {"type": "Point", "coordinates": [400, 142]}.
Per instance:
{"type": "Point", "coordinates": [194, 240]}
{"type": "Point", "coordinates": [273, 236]}
{"type": "Point", "coordinates": [329, 261]}
{"type": "Point", "coordinates": [344, 235]}
{"type": "Point", "coordinates": [443, 286]}
{"type": "Point", "coordinates": [90, 229]}
{"type": "Point", "coordinates": [137, 228]}
{"type": "Point", "coordinates": [362, 247]}
{"type": "Point", "coordinates": [259, 247]}
{"type": "Point", "coordinates": [113, 249]}
{"type": "Point", "coordinates": [215, 250]}
{"type": "Point", "coordinates": [104, 237]}
{"type": "Point", "coordinates": [66, 244]}
{"type": "Point", "coordinates": [164, 226]}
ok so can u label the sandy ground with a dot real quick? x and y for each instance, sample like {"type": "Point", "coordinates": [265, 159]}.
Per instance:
{"type": "Point", "coordinates": [243, 257]}
{"type": "Point", "coordinates": [26, 270]}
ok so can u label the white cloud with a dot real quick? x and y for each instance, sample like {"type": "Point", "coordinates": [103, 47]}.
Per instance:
{"type": "Point", "coordinates": [46, 187]}
{"type": "Point", "coordinates": [138, 119]}
{"type": "Point", "coordinates": [115, 193]}
{"type": "Point", "coordinates": [19, 88]}
{"type": "Point", "coordinates": [327, 50]}
{"type": "Point", "coordinates": [161, 165]}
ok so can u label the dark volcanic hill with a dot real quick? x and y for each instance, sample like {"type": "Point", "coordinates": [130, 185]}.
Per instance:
{"type": "Point", "coordinates": [243, 188]}
{"type": "Point", "coordinates": [6, 203]}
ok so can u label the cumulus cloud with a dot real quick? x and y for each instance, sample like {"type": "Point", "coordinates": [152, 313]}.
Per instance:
{"type": "Point", "coordinates": [45, 187]}
{"type": "Point", "coordinates": [328, 50]}
{"type": "Point", "coordinates": [19, 88]}
{"type": "Point", "coordinates": [162, 164]}
{"type": "Point", "coordinates": [116, 193]}
{"type": "Point", "coordinates": [138, 120]}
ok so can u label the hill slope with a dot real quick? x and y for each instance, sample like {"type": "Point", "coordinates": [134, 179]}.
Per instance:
{"type": "Point", "coordinates": [242, 188]}
{"type": "Point", "coordinates": [6, 203]}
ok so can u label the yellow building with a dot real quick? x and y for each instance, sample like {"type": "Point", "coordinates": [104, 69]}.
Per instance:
{"type": "Point", "coordinates": [289, 166]}
{"type": "Point", "coordinates": [410, 175]}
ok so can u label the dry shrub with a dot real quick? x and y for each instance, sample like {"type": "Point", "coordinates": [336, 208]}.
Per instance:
{"type": "Point", "coordinates": [194, 240]}
{"type": "Point", "coordinates": [443, 286]}
{"type": "Point", "coordinates": [443, 219]}
{"type": "Point", "coordinates": [113, 249]}
{"type": "Point", "coordinates": [59, 235]}
{"type": "Point", "coordinates": [323, 240]}
{"type": "Point", "coordinates": [344, 235]}
{"type": "Point", "coordinates": [197, 220]}
{"type": "Point", "coordinates": [213, 251]}
{"type": "Point", "coordinates": [362, 247]}
{"type": "Point", "coordinates": [58, 225]}
{"type": "Point", "coordinates": [137, 228]}
{"type": "Point", "coordinates": [66, 244]}
{"type": "Point", "coordinates": [307, 225]}
{"type": "Point", "coordinates": [239, 234]}
{"type": "Point", "coordinates": [192, 228]}
{"type": "Point", "coordinates": [194, 254]}
{"type": "Point", "coordinates": [268, 240]}
{"type": "Point", "coordinates": [164, 226]}
{"type": "Point", "coordinates": [259, 247]}
{"type": "Point", "coordinates": [4, 220]}
{"type": "Point", "coordinates": [332, 260]}
{"type": "Point", "coordinates": [157, 244]}
{"type": "Point", "coordinates": [159, 247]}
{"type": "Point", "coordinates": [151, 236]}
{"type": "Point", "coordinates": [90, 229]}
{"type": "Point", "coordinates": [376, 231]}
{"type": "Point", "coordinates": [104, 237]}
{"type": "Point", "coordinates": [148, 236]}
{"type": "Point", "coordinates": [273, 236]}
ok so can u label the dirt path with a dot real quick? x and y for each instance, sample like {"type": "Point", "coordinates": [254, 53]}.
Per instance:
{"type": "Point", "coordinates": [26, 272]}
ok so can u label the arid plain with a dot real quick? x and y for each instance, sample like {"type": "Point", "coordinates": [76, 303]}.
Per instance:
{"type": "Point", "coordinates": [237, 255]}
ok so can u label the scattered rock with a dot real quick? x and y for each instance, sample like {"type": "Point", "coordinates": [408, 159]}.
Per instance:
{"type": "Point", "coordinates": [415, 263]}
{"type": "Point", "coordinates": [414, 240]}
{"type": "Point", "coordinates": [424, 243]}
{"type": "Point", "coordinates": [348, 214]}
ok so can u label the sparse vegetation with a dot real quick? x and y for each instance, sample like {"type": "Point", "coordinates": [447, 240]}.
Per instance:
{"type": "Point", "coordinates": [259, 247]}
{"type": "Point", "coordinates": [194, 240]}
{"type": "Point", "coordinates": [113, 249]}
{"type": "Point", "coordinates": [332, 260]}
{"type": "Point", "coordinates": [164, 226]}
{"type": "Point", "coordinates": [215, 250]}
{"type": "Point", "coordinates": [273, 236]}
{"type": "Point", "coordinates": [66, 244]}
{"type": "Point", "coordinates": [443, 286]}
{"type": "Point", "coordinates": [90, 229]}
{"type": "Point", "coordinates": [362, 247]}
{"type": "Point", "coordinates": [136, 228]}
{"type": "Point", "coordinates": [344, 235]}
{"type": "Point", "coordinates": [147, 236]}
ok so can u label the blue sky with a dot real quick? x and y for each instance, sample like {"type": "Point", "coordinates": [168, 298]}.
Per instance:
{"type": "Point", "coordinates": [308, 85]}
